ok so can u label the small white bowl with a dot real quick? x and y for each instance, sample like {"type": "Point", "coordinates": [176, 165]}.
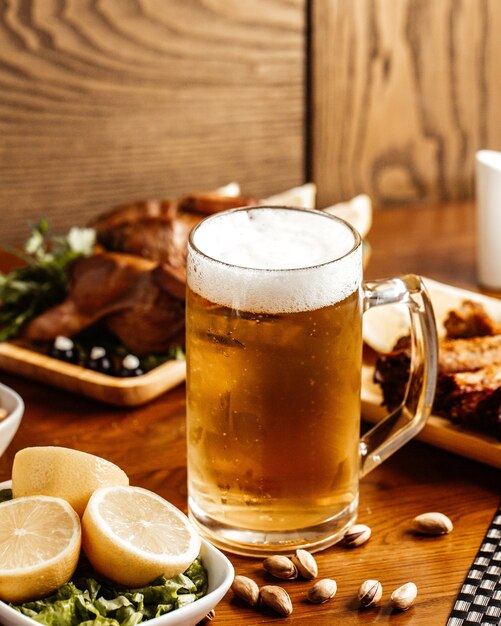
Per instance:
{"type": "Point", "coordinates": [14, 404]}
{"type": "Point", "coordinates": [220, 572]}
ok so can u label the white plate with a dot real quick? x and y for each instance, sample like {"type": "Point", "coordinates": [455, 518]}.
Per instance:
{"type": "Point", "coordinates": [220, 572]}
{"type": "Point", "coordinates": [383, 326]}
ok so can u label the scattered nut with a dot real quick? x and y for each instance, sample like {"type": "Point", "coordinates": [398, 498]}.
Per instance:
{"type": "Point", "coordinates": [356, 536]}
{"type": "Point", "coordinates": [209, 617]}
{"type": "Point", "coordinates": [246, 589]}
{"type": "Point", "coordinates": [306, 564]}
{"type": "Point", "coordinates": [403, 597]}
{"type": "Point", "coordinates": [280, 567]}
{"type": "Point", "coordinates": [276, 598]}
{"type": "Point", "coordinates": [432, 524]}
{"type": "Point", "coordinates": [322, 591]}
{"type": "Point", "coordinates": [370, 593]}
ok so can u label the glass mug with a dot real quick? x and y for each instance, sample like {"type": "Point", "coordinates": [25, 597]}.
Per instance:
{"type": "Point", "coordinates": [274, 354]}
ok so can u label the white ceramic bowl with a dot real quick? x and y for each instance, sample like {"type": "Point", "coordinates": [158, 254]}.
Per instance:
{"type": "Point", "coordinates": [220, 572]}
{"type": "Point", "coordinates": [14, 404]}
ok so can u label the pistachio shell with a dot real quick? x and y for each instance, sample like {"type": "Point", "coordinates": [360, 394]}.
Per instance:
{"type": "Point", "coordinates": [280, 567]}
{"type": "Point", "coordinates": [356, 535]}
{"type": "Point", "coordinates": [211, 615]}
{"type": "Point", "coordinates": [403, 597]}
{"type": "Point", "coordinates": [277, 599]}
{"type": "Point", "coordinates": [245, 589]}
{"type": "Point", "coordinates": [370, 593]}
{"type": "Point", "coordinates": [322, 591]}
{"type": "Point", "coordinates": [432, 523]}
{"type": "Point", "coordinates": [306, 564]}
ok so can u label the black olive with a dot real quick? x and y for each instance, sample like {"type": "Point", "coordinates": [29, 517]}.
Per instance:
{"type": "Point", "coordinates": [98, 361]}
{"type": "Point", "coordinates": [131, 366]}
{"type": "Point", "coordinates": [64, 349]}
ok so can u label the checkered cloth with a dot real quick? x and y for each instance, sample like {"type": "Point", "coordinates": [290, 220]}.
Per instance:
{"type": "Point", "coordinates": [479, 601]}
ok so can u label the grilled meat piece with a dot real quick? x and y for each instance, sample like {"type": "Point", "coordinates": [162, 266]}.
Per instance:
{"type": "Point", "coordinates": [133, 213]}
{"type": "Point", "coordinates": [208, 203]}
{"type": "Point", "coordinates": [391, 372]}
{"type": "Point", "coordinates": [152, 229]}
{"type": "Point", "coordinates": [471, 398]}
{"type": "Point", "coordinates": [460, 355]}
{"type": "Point", "coordinates": [125, 291]}
{"type": "Point", "coordinates": [469, 376]}
{"type": "Point", "coordinates": [152, 238]}
{"type": "Point", "coordinates": [454, 355]}
{"type": "Point", "coordinates": [470, 320]}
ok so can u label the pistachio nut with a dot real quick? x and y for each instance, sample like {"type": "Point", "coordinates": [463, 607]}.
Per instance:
{"type": "Point", "coordinates": [245, 589]}
{"type": "Point", "coordinates": [211, 615]}
{"type": "Point", "coordinates": [432, 523]}
{"type": "Point", "coordinates": [306, 564]}
{"type": "Point", "coordinates": [277, 599]}
{"type": "Point", "coordinates": [403, 597]}
{"type": "Point", "coordinates": [280, 567]}
{"type": "Point", "coordinates": [356, 536]}
{"type": "Point", "coordinates": [370, 593]}
{"type": "Point", "coordinates": [322, 591]}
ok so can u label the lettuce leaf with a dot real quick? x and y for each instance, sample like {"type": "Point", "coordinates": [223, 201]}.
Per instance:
{"type": "Point", "coordinates": [94, 602]}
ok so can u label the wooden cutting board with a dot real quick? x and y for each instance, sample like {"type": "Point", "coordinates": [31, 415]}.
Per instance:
{"type": "Point", "coordinates": [118, 391]}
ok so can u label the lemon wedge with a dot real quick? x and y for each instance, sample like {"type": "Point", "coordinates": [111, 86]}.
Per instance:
{"type": "Point", "coordinates": [303, 196]}
{"type": "Point", "coordinates": [132, 536]}
{"type": "Point", "coordinates": [357, 212]}
{"type": "Point", "coordinates": [63, 473]}
{"type": "Point", "coordinates": [40, 541]}
{"type": "Point", "coordinates": [231, 190]}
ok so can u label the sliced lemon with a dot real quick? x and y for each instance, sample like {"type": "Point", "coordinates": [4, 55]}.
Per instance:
{"type": "Point", "coordinates": [231, 189]}
{"type": "Point", "coordinates": [63, 473]}
{"type": "Point", "coordinates": [40, 541]}
{"type": "Point", "coordinates": [357, 211]}
{"type": "Point", "coordinates": [303, 196]}
{"type": "Point", "coordinates": [132, 536]}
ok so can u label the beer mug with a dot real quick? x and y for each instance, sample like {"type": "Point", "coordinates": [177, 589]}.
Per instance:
{"type": "Point", "coordinates": [274, 355]}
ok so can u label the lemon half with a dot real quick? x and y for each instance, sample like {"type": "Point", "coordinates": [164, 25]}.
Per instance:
{"type": "Point", "coordinates": [132, 536]}
{"type": "Point", "coordinates": [40, 540]}
{"type": "Point", "coordinates": [63, 473]}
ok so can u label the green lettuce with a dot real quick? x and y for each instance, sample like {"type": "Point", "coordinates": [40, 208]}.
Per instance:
{"type": "Point", "coordinates": [94, 602]}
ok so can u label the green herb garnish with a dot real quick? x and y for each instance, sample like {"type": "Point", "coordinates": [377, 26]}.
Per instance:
{"type": "Point", "coordinates": [5, 495]}
{"type": "Point", "coordinates": [42, 281]}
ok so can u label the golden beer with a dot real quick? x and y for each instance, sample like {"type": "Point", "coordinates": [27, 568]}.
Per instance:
{"type": "Point", "coordinates": [274, 413]}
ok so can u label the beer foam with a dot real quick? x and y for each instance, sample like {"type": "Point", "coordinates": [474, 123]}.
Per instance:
{"type": "Point", "coordinates": [274, 260]}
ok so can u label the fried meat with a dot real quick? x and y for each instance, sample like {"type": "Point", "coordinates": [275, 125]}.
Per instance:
{"type": "Point", "coordinates": [469, 372]}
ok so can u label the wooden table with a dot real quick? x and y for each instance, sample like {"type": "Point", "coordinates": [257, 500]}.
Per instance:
{"type": "Point", "coordinates": [149, 444]}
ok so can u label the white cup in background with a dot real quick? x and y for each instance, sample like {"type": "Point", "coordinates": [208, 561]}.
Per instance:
{"type": "Point", "coordinates": [488, 194]}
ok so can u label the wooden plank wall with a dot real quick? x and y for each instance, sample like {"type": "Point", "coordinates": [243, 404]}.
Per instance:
{"type": "Point", "coordinates": [105, 102]}
{"type": "Point", "coordinates": [404, 92]}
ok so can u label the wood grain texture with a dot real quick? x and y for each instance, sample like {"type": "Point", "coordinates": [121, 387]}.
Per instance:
{"type": "Point", "coordinates": [149, 444]}
{"type": "Point", "coordinates": [105, 102]}
{"type": "Point", "coordinates": [404, 93]}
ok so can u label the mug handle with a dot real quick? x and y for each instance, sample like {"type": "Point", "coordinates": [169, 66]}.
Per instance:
{"type": "Point", "coordinates": [410, 417]}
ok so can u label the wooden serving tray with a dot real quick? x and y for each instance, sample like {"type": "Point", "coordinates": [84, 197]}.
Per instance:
{"type": "Point", "coordinates": [438, 431]}
{"type": "Point", "coordinates": [118, 391]}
